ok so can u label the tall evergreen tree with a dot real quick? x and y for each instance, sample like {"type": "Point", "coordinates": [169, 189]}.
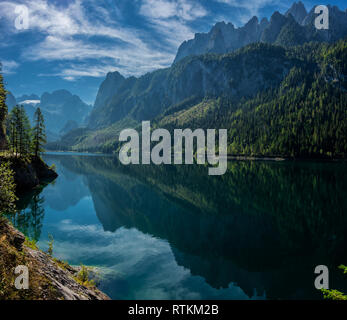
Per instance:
{"type": "Point", "coordinates": [25, 136]}
{"type": "Point", "coordinates": [13, 124]}
{"type": "Point", "coordinates": [39, 134]}
{"type": "Point", "coordinates": [3, 113]}
{"type": "Point", "coordinates": [20, 132]}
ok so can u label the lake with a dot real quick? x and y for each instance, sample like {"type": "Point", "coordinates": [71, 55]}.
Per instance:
{"type": "Point", "coordinates": [173, 232]}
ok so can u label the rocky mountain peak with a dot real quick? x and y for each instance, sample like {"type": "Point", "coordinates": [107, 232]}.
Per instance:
{"type": "Point", "coordinates": [108, 88]}
{"type": "Point", "coordinates": [276, 17]}
{"type": "Point", "coordinates": [114, 76]}
{"type": "Point", "coordinates": [295, 27]}
{"type": "Point", "coordinates": [253, 21]}
{"type": "Point", "coordinates": [298, 11]}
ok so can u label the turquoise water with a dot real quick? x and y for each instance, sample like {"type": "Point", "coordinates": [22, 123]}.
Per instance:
{"type": "Point", "coordinates": [173, 232]}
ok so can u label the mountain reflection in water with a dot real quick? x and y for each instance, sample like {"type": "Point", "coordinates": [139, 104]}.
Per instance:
{"type": "Point", "coordinates": [173, 232]}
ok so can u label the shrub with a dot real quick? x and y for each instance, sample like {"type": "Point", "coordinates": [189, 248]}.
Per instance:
{"type": "Point", "coordinates": [7, 189]}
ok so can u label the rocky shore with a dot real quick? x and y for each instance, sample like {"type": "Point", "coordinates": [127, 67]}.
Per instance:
{"type": "Point", "coordinates": [49, 279]}
{"type": "Point", "coordinates": [30, 173]}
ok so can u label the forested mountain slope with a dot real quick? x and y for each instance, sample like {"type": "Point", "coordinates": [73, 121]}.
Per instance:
{"type": "Point", "coordinates": [306, 116]}
{"type": "Point", "coordinates": [274, 101]}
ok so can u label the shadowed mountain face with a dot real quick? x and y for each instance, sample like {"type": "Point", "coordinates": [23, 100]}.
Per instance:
{"type": "Point", "coordinates": [61, 107]}
{"type": "Point", "coordinates": [237, 75]}
{"type": "Point", "coordinates": [263, 226]}
{"type": "Point", "coordinates": [108, 88]}
{"type": "Point", "coordinates": [295, 27]}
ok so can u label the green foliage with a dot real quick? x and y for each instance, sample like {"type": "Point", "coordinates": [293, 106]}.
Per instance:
{"type": "Point", "coordinates": [24, 140]}
{"type": "Point", "coordinates": [20, 134]}
{"type": "Point", "coordinates": [62, 264]}
{"type": "Point", "coordinates": [291, 34]}
{"type": "Point", "coordinates": [3, 113]}
{"type": "Point", "coordinates": [83, 277]}
{"type": "Point", "coordinates": [334, 295]}
{"type": "Point", "coordinates": [39, 133]}
{"type": "Point", "coordinates": [344, 268]}
{"type": "Point", "coordinates": [3, 108]}
{"type": "Point", "coordinates": [7, 189]}
{"type": "Point", "coordinates": [306, 116]}
{"type": "Point", "coordinates": [31, 243]}
{"type": "Point", "coordinates": [50, 245]}
{"type": "Point", "coordinates": [85, 140]}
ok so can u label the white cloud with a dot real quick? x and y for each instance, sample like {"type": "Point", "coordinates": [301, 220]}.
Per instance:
{"type": "Point", "coordinates": [252, 7]}
{"type": "Point", "coordinates": [67, 34]}
{"type": "Point", "coordinates": [9, 66]}
{"type": "Point", "coordinates": [171, 18]}
{"type": "Point", "coordinates": [182, 9]}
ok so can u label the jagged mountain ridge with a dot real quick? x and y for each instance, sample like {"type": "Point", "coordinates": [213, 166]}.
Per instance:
{"type": "Point", "coordinates": [294, 27]}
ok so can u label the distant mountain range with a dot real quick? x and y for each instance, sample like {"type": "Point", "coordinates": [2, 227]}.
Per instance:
{"type": "Point", "coordinates": [217, 74]}
{"type": "Point", "coordinates": [295, 27]}
{"type": "Point", "coordinates": [60, 109]}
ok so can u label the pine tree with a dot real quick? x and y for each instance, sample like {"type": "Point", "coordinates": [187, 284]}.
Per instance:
{"type": "Point", "coordinates": [3, 113]}
{"type": "Point", "coordinates": [20, 132]}
{"type": "Point", "coordinates": [25, 136]}
{"type": "Point", "coordinates": [39, 136]}
{"type": "Point", "coordinates": [13, 129]}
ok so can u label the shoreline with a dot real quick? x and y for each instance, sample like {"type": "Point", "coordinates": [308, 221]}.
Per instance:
{"type": "Point", "coordinates": [282, 159]}
{"type": "Point", "coordinates": [29, 173]}
{"type": "Point", "coordinates": [50, 278]}
{"type": "Point", "coordinates": [230, 157]}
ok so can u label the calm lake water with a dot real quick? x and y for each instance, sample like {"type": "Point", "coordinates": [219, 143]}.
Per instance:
{"type": "Point", "coordinates": [173, 232]}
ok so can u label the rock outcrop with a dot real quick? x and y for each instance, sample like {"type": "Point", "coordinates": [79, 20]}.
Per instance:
{"type": "Point", "coordinates": [30, 174]}
{"type": "Point", "coordinates": [62, 279]}
{"type": "Point", "coordinates": [49, 278]}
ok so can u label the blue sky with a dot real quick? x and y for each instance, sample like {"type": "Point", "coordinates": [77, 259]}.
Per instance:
{"type": "Point", "coordinates": [72, 44]}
